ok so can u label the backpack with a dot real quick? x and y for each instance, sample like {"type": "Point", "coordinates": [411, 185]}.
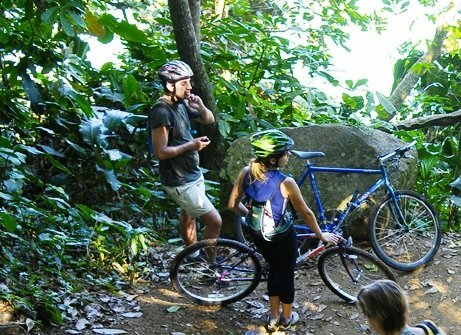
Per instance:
{"type": "Point", "coordinates": [261, 221]}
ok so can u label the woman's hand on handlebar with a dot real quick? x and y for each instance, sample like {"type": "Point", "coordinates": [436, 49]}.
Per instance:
{"type": "Point", "coordinates": [331, 238]}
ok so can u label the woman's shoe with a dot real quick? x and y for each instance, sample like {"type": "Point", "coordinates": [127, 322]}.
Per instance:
{"type": "Point", "coordinates": [287, 324]}
{"type": "Point", "coordinates": [272, 323]}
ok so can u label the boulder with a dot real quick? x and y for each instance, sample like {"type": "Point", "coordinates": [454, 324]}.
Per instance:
{"type": "Point", "coordinates": [343, 146]}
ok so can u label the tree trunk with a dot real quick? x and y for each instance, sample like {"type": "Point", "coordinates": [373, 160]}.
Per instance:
{"type": "Point", "coordinates": [185, 16]}
{"type": "Point", "coordinates": [195, 10]}
{"type": "Point", "coordinates": [407, 83]}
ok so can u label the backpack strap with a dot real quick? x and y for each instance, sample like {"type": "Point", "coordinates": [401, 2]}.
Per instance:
{"type": "Point", "coordinates": [429, 327]}
{"type": "Point", "coordinates": [249, 205]}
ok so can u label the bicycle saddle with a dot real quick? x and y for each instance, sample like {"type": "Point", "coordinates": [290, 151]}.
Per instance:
{"type": "Point", "coordinates": [307, 154]}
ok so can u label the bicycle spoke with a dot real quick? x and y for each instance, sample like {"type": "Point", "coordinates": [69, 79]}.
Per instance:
{"type": "Point", "coordinates": [346, 270]}
{"type": "Point", "coordinates": [234, 273]}
{"type": "Point", "coordinates": [408, 236]}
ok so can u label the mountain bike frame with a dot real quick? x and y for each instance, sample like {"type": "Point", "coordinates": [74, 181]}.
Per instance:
{"type": "Point", "coordinates": [311, 254]}
{"type": "Point", "coordinates": [336, 223]}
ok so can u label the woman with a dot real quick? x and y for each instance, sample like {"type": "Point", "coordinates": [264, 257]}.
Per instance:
{"type": "Point", "coordinates": [385, 305]}
{"type": "Point", "coordinates": [260, 181]}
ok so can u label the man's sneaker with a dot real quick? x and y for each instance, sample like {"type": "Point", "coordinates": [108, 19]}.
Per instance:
{"type": "Point", "coordinates": [272, 323]}
{"type": "Point", "coordinates": [196, 257]}
{"type": "Point", "coordinates": [287, 324]}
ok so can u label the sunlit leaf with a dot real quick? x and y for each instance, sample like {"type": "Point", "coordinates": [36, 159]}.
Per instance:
{"type": "Point", "coordinates": [111, 178]}
{"type": "Point", "coordinates": [388, 106]}
{"type": "Point", "coordinates": [456, 183]}
{"type": "Point", "coordinates": [76, 18]}
{"type": "Point", "coordinates": [114, 118]}
{"type": "Point", "coordinates": [173, 309]}
{"type": "Point", "coordinates": [91, 130]}
{"type": "Point", "coordinates": [66, 25]}
{"type": "Point", "coordinates": [51, 151]}
{"type": "Point", "coordinates": [107, 331]}
{"type": "Point", "coordinates": [94, 27]}
{"type": "Point", "coordinates": [132, 314]}
{"type": "Point", "coordinates": [50, 15]}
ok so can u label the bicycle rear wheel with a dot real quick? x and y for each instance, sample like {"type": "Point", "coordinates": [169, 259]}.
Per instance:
{"type": "Point", "coordinates": [241, 229]}
{"type": "Point", "coordinates": [234, 273]}
{"type": "Point", "coordinates": [405, 245]}
{"type": "Point", "coordinates": [344, 270]}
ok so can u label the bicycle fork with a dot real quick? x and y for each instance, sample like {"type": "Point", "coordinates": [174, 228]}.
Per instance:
{"type": "Point", "coordinates": [396, 213]}
{"type": "Point", "coordinates": [348, 260]}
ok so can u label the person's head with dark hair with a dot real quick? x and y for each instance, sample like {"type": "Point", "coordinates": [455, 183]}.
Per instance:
{"type": "Point", "coordinates": [385, 305]}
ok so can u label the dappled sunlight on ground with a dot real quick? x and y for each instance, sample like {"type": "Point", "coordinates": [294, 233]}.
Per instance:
{"type": "Point", "coordinates": [434, 293]}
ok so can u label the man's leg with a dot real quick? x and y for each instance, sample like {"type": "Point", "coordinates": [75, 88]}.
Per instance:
{"type": "Point", "coordinates": [213, 223]}
{"type": "Point", "coordinates": [187, 228]}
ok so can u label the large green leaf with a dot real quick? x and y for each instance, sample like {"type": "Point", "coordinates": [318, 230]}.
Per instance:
{"type": "Point", "coordinates": [111, 178]}
{"type": "Point", "coordinates": [14, 157]}
{"type": "Point", "coordinates": [50, 15]}
{"type": "Point", "coordinates": [114, 118]}
{"type": "Point", "coordinates": [456, 184]}
{"type": "Point", "coordinates": [59, 165]}
{"type": "Point", "coordinates": [91, 130]}
{"type": "Point", "coordinates": [8, 221]}
{"type": "Point", "coordinates": [66, 25]}
{"type": "Point", "coordinates": [126, 30]}
{"type": "Point", "coordinates": [388, 106]}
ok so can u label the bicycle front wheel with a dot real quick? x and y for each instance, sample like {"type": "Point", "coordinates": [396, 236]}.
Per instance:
{"type": "Point", "coordinates": [344, 270]}
{"type": "Point", "coordinates": [407, 236]}
{"type": "Point", "coordinates": [225, 271]}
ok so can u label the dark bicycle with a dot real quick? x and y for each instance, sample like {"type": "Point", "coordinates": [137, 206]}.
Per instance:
{"type": "Point", "coordinates": [227, 270]}
{"type": "Point", "coordinates": [404, 228]}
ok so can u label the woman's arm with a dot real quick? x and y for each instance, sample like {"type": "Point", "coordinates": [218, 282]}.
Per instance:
{"type": "Point", "coordinates": [237, 193]}
{"type": "Point", "coordinates": [291, 190]}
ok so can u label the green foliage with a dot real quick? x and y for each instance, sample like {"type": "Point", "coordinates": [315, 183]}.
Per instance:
{"type": "Point", "coordinates": [456, 197]}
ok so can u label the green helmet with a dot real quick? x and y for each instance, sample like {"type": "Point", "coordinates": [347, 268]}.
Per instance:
{"type": "Point", "coordinates": [270, 142]}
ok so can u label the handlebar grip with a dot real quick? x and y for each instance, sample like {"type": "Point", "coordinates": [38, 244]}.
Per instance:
{"type": "Point", "coordinates": [399, 151]}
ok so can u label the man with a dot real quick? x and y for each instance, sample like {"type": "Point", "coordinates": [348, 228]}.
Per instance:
{"type": "Point", "coordinates": [177, 151]}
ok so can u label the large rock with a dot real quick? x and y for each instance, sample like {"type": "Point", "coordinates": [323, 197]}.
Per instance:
{"type": "Point", "coordinates": [344, 146]}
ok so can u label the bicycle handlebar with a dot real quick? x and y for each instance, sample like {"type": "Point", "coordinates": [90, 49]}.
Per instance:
{"type": "Point", "coordinates": [400, 152]}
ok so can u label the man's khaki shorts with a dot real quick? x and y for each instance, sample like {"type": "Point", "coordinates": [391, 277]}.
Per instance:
{"type": "Point", "coordinates": [191, 197]}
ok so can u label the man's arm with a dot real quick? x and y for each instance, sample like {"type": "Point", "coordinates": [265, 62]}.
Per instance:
{"type": "Point", "coordinates": [206, 116]}
{"type": "Point", "coordinates": [161, 149]}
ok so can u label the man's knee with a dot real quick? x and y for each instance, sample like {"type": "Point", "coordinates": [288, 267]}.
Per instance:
{"type": "Point", "coordinates": [213, 219]}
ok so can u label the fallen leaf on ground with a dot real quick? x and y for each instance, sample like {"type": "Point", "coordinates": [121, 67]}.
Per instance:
{"type": "Point", "coordinates": [107, 331]}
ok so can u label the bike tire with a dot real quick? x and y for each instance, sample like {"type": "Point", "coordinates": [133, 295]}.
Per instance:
{"type": "Point", "coordinates": [363, 266]}
{"type": "Point", "coordinates": [405, 248]}
{"type": "Point", "coordinates": [235, 273]}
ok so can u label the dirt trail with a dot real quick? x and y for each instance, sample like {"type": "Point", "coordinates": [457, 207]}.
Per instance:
{"type": "Point", "coordinates": [434, 293]}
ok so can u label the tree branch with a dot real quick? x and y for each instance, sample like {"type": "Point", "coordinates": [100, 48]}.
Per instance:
{"type": "Point", "coordinates": [449, 119]}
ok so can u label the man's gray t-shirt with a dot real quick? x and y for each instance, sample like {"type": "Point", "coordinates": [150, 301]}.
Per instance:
{"type": "Point", "coordinates": [183, 168]}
